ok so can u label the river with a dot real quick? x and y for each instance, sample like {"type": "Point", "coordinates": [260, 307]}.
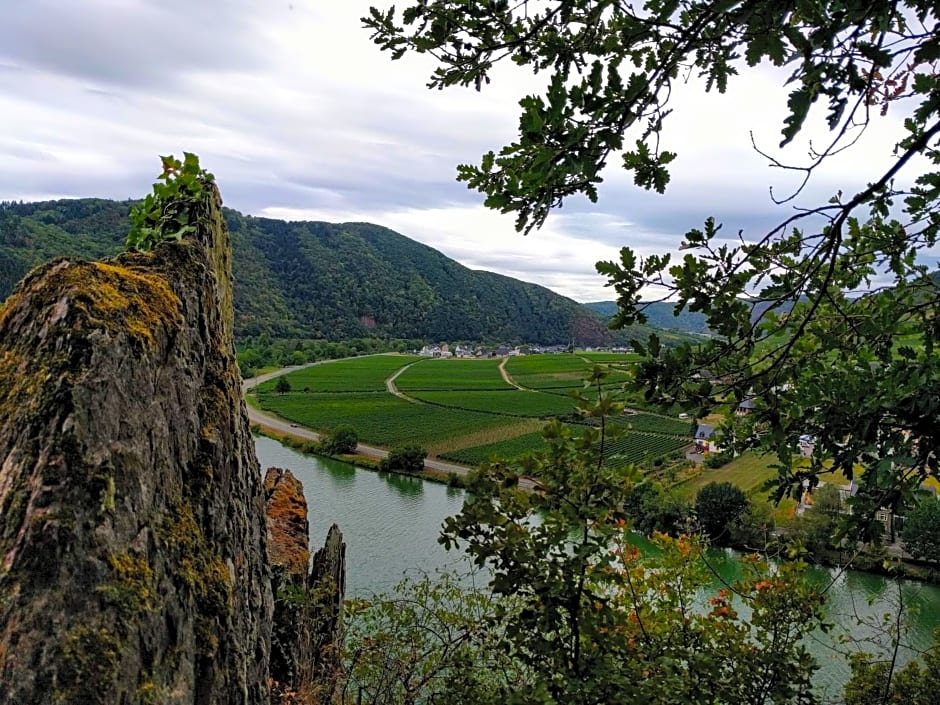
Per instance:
{"type": "Point", "coordinates": [391, 524]}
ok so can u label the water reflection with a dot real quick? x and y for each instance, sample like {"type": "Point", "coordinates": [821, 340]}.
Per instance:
{"type": "Point", "coordinates": [391, 524]}
{"type": "Point", "coordinates": [404, 485]}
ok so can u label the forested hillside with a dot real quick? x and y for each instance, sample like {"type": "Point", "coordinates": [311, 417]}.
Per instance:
{"type": "Point", "coordinates": [660, 315]}
{"type": "Point", "coordinates": [320, 280]}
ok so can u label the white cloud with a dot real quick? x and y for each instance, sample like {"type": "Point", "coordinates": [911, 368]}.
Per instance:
{"type": "Point", "coordinates": [300, 115]}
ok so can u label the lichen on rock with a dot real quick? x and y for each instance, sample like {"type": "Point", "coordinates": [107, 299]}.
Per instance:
{"type": "Point", "coordinates": [132, 529]}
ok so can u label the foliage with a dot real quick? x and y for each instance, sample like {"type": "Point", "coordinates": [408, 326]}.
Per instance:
{"type": "Point", "coordinates": [342, 439]}
{"type": "Point", "coordinates": [282, 386]}
{"type": "Point", "coordinates": [172, 210]}
{"type": "Point", "coordinates": [717, 506]}
{"type": "Point", "coordinates": [652, 510]}
{"type": "Point", "coordinates": [404, 458]}
{"type": "Point", "coordinates": [753, 528]}
{"type": "Point", "coordinates": [876, 682]}
{"type": "Point", "coordinates": [717, 460]}
{"type": "Point", "coordinates": [292, 281]}
{"type": "Point", "coordinates": [590, 621]}
{"type": "Point", "coordinates": [859, 372]}
{"type": "Point", "coordinates": [921, 531]}
{"type": "Point", "coordinates": [430, 641]}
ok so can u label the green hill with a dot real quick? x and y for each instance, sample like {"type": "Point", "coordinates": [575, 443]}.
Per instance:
{"type": "Point", "coordinates": [321, 280]}
{"type": "Point", "coordinates": [660, 315]}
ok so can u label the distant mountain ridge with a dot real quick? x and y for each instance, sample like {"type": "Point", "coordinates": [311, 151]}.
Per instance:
{"type": "Point", "coordinates": [323, 280]}
{"type": "Point", "coordinates": [660, 315]}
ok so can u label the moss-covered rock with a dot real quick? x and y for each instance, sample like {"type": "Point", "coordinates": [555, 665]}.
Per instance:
{"type": "Point", "coordinates": [133, 559]}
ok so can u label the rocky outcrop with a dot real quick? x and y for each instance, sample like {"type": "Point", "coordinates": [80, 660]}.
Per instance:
{"type": "Point", "coordinates": [132, 529]}
{"type": "Point", "coordinates": [305, 637]}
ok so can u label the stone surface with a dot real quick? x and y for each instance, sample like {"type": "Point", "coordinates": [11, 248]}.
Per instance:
{"type": "Point", "coordinates": [307, 628]}
{"type": "Point", "coordinates": [133, 560]}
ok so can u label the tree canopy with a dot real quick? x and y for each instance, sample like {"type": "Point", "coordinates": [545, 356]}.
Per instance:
{"type": "Point", "coordinates": [825, 321]}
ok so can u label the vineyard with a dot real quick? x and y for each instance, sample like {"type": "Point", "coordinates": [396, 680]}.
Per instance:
{"type": "Point", "coordinates": [379, 418]}
{"type": "Point", "coordinates": [511, 402]}
{"type": "Point", "coordinates": [452, 375]}
{"type": "Point", "coordinates": [358, 374]}
{"type": "Point", "coordinates": [462, 410]}
{"type": "Point", "coordinates": [658, 424]}
{"type": "Point", "coordinates": [630, 449]}
{"type": "Point", "coordinates": [560, 373]}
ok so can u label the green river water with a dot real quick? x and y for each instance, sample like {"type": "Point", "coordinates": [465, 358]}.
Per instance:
{"type": "Point", "coordinates": [391, 523]}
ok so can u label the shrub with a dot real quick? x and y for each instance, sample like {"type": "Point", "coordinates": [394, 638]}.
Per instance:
{"type": "Point", "coordinates": [717, 506]}
{"type": "Point", "coordinates": [404, 458]}
{"type": "Point", "coordinates": [717, 460]}
{"type": "Point", "coordinates": [342, 439]}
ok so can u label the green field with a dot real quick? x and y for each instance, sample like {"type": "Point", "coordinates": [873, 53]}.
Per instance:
{"type": "Point", "coordinates": [556, 372]}
{"type": "Point", "coordinates": [630, 449]}
{"type": "Point", "coordinates": [606, 357]}
{"type": "Point", "coordinates": [656, 424]}
{"type": "Point", "coordinates": [748, 471]}
{"type": "Point", "coordinates": [505, 450]}
{"type": "Point", "coordinates": [458, 409]}
{"type": "Point", "coordinates": [381, 419]}
{"type": "Point", "coordinates": [511, 402]}
{"type": "Point", "coordinates": [358, 374]}
{"type": "Point", "coordinates": [452, 375]}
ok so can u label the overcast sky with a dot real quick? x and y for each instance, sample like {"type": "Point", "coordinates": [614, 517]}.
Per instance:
{"type": "Point", "coordinates": [301, 117]}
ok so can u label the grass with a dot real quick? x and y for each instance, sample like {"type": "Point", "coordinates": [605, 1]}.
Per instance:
{"type": "Point", "coordinates": [451, 375]}
{"type": "Point", "coordinates": [748, 471]}
{"type": "Point", "coordinates": [358, 374]}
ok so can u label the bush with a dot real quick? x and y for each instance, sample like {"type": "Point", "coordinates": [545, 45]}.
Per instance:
{"type": "Point", "coordinates": [717, 460]}
{"type": "Point", "coordinates": [342, 439]}
{"type": "Point", "coordinates": [717, 506]}
{"type": "Point", "coordinates": [405, 459]}
{"type": "Point", "coordinates": [922, 530]}
{"type": "Point", "coordinates": [652, 510]}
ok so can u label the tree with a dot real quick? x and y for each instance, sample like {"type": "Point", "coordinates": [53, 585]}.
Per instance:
{"type": "Point", "coordinates": [431, 641]}
{"type": "Point", "coordinates": [282, 386]}
{"type": "Point", "coordinates": [857, 371]}
{"type": "Point", "coordinates": [588, 620]}
{"type": "Point", "coordinates": [404, 458]}
{"type": "Point", "coordinates": [653, 510]}
{"type": "Point", "coordinates": [717, 506]}
{"type": "Point", "coordinates": [342, 439]}
{"type": "Point", "coordinates": [921, 531]}
{"type": "Point", "coordinates": [878, 681]}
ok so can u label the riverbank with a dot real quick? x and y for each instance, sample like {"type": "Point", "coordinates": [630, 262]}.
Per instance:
{"type": "Point", "coordinates": [356, 460]}
{"type": "Point", "coordinates": [392, 522]}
